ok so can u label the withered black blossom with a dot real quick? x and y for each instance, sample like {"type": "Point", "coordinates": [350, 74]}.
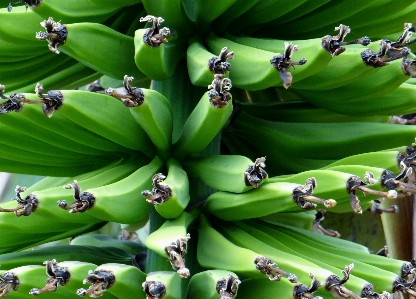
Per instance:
{"type": "Point", "coordinates": [255, 174]}
{"type": "Point", "coordinates": [155, 36]}
{"type": "Point", "coordinates": [317, 227]}
{"type": "Point", "coordinates": [55, 34]}
{"type": "Point", "coordinates": [101, 281]}
{"type": "Point", "coordinates": [8, 282]}
{"type": "Point", "coordinates": [227, 287]}
{"type": "Point", "coordinates": [176, 251]}
{"type": "Point", "coordinates": [160, 193]}
{"type": "Point", "coordinates": [134, 96]}
{"type": "Point", "coordinates": [383, 251]}
{"type": "Point", "coordinates": [283, 61]}
{"type": "Point", "coordinates": [219, 94]}
{"type": "Point", "coordinates": [398, 182]}
{"type": "Point", "coordinates": [154, 289]}
{"type": "Point", "coordinates": [13, 104]}
{"type": "Point", "coordinates": [57, 276]}
{"type": "Point", "coordinates": [51, 101]}
{"type": "Point", "coordinates": [333, 44]}
{"type": "Point", "coordinates": [270, 269]}
{"type": "Point", "coordinates": [402, 286]}
{"type": "Point", "coordinates": [301, 291]}
{"type": "Point", "coordinates": [303, 194]}
{"type": "Point", "coordinates": [368, 292]}
{"type": "Point", "coordinates": [220, 65]}
{"type": "Point", "coordinates": [335, 285]}
{"type": "Point", "coordinates": [25, 205]}
{"type": "Point", "coordinates": [28, 3]}
{"type": "Point", "coordinates": [377, 209]}
{"type": "Point", "coordinates": [83, 201]}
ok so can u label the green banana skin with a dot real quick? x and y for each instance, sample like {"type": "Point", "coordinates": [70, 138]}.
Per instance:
{"type": "Point", "coordinates": [154, 115]}
{"type": "Point", "coordinates": [128, 280]}
{"type": "Point", "coordinates": [170, 231]}
{"type": "Point", "coordinates": [270, 198]}
{"type": "Point", "coordinates": [203, 284]}
{"type": "Point", "coordinates": [96, 255]}
{"type": "Point", "coordinates": [108, 196]}
{"type": "Point", "coordinates": [306, 141]}
{"type": "Point", "coordinates": [302, 220]}
{"type": "Point", "coordinates": [307, 237]}
{"type": "Point", "coordinates": [177, 180]}
{"type": "Point", "coordinates": [92, 43]}
{"type": "Point", "coordinates": [240, 260]}
{"type": "Point", "coordinates": [221, 172]}
{"type": "Point", "coordinates": [311, 49]}
{"type": "Point", "coordinates": [378, 276]}
{"type": "Point", "coordinates": [204, 123]}
{"type": "Point", "coordinates": [197, 57]}
{"type": "Point", "coordinates": [174, 284]}
{"type": "Point", "coordinates": [117, 3]}
{"type": "Point", "coordinates": [262, 288]}
{"type": "Point", "coordinates": [157, 63]}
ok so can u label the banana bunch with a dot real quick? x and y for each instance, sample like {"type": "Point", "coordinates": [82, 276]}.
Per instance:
{"type": "Point", "coordinates": [161, 115]}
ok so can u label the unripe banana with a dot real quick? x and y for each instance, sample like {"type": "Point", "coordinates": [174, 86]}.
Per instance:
{"type": "Point", "coordinates": [92, 44]}
{"type": "Point", "coordinates": [171, 197]}
{"type": "Point", "coordinates": [206, 120]}
{"type": "Point", "coordinates": [152, 111]}
{"type": "Point", "coordinates": [157, 63]}
{"type": "Point", "coordinates": [212, 284]}
{"type": "Point", "coordinates": [164, 284]}
{"type": "Point", "coordinates": [254, 288]}
{"type": "Point", "coordinates": [302, 220]}
{"type": "Point", "coordinates": [122, 281]}
{"type": "Point", "coordinates": [231, 173]}
{"type": "Point", "coordinates": [104, 202]}
{"type": "Point", "coordinates": [170, 240]}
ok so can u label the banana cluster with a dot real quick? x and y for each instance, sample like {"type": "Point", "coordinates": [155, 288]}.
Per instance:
{"type": "Point", "coordinates": [166, 113]}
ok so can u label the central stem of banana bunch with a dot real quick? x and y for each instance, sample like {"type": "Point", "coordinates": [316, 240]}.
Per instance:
{"type": "Point", "coordinates": [183, 97]}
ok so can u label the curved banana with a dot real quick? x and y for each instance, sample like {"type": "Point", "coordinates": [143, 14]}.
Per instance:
{"type": "Point", "coordinates": [172, 196]}
{"type": "Point", "coordinates": [211, 283]}
{"type": "Point", "coordinates": [206, 120]}
{"type": "Point", "coordinates": [152, 111]}
{"type": "Point", "coordinates": [103, 202]}
{"type": "Point", "coordinates": [122, 281]}
{"type": "Point", "coordinates": [232, 173]}
{"type": "Point", "coordinates": [170, 240]}
{"type": "Point", "coordinates": [92, 44]}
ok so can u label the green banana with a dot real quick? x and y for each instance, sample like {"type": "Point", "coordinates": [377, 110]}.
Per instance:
{"type": "Point", "coordinates": [170, 240]}
{"type": "Point", "coordinates": [122, 281]}
{"type": "Point", "coordinates": [232, 173]}
{"type": "Point", "coordinates": [82, 41]}
{"type": "Point", "coordinates": [103, 202]}
{"type": "Point", "coordinates": [160, 62]}
{"type": "Point", "coordinates": [170, 198]}
{"type": "Point", "coordinates": [164, 284]}
{"type": "Point", "coordinates": [211, 283]}
{"type": "Point", "coordinates": [152, 111]}
{"type": "Point", "coordinates": [252, 288]}
{"type": "Point", "coordinates": [117, 3]}
{"type": "Point", "coordinates": [206, 120]}
{"type": "Point", "coordinates": [303, 220]}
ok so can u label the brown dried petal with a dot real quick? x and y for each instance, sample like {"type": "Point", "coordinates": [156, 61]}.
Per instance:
{"type": "Point", "coordinates": [154, 289]}
{"type": "Point", "coordinates": [227, 287]}
{"type": "Point", "coordinates": [101, 281]}
{"type": "Point", "coordinates": [83, 201]}
{"type": "Point", "coordinates": [55, 33]}
{"type": "Point", "coordinates": [255, 174]}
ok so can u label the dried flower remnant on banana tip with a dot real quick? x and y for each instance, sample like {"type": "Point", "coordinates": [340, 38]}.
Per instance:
{"type": "Point", "coordinates": [220, 65]}
{"type": "Point", "coordinates": [227, 287]}
{"type": "Point", "coordinates": [134, 96]}
{"type": "Point", "coordinates": [317, 226]}
{"type": "Point", "coordinates": [219, 94]}
{"type": "Point", "coordinates": [101, 281]}
{"type": "Point", "coordinates": [8, 282]}
{"type": "Point", "coordinates": [28, 3]}
{"type": "Point", "coordinates": [301, 291]}
{"type": "Point", "coordinates": [51, 101]}
{"type": "Point", "coordinates": [57, 276]}
{"type": "Point", "coordinates": [283, 61]}
{"type": "Point", "coordinates": [155, 36]}
{"type": "Point", "coordinates": [176, 251]}
{"type": "Point", "coordinates": [303, 194]}
{"type": "Point", "coordinates": [376, 207]}
{"type": "Point", "coordinates": [354, 183]}
{"type": "Point", "coordinates": [25, 205]}
{"type": "Point", "coordinates": [368, 292]}
{"type": "Point", "coordinates": [15, 101]}
{"type": "Point", "coordinates": [55, 34]}
{"type": "Point", "coordinates": [160, 193]}
{"type": "Point", "coordinates": [333, 44]}
{"type": "Point", "coordinates": [255, 174]}
{"type": "Point", "coordinates": [154, 289]}
{"type": "Point", "coordinates": [335, 285]}
{"type": "Point", "coordinates": [270, 269]}
{"type": "Point", "coordinates": [83, 201]}
{"type": "Point", "coordinates": [393, 182]}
